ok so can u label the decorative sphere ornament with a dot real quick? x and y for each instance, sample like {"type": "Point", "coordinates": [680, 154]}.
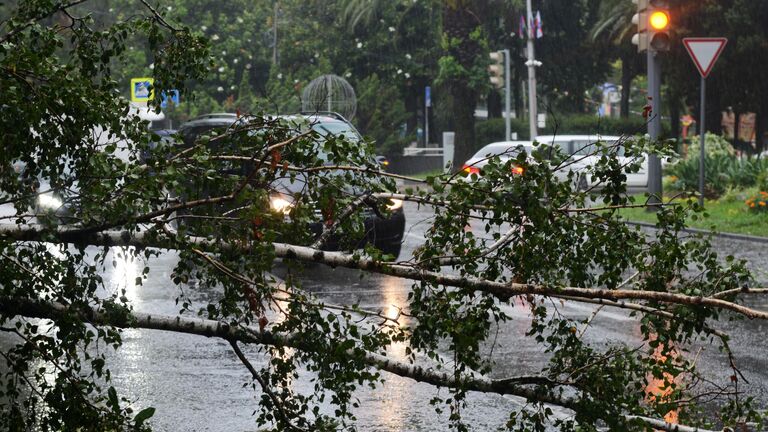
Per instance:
{"type": "Point", "coordinates": [329, 93]}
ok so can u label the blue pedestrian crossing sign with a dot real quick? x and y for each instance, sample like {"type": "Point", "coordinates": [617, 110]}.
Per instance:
{"type": "Point", "coordinates": [141, 89]}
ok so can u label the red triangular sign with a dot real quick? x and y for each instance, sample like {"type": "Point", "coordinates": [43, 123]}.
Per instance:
{"type": "Point", "coordinates": [704, 52]}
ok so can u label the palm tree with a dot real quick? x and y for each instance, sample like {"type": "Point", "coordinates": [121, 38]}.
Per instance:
{"type": "Point", "coordinates": [360, 12]}
{"type": "Point", "coordinates": [615, 25]}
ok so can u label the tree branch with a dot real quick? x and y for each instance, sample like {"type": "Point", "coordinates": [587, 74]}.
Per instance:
{"type": "Point", "coordinates": [234, 333]}
{"type": "Point", "coordinates": [255, 374]}
{"type": "Point", "coordinates": [501, 290]}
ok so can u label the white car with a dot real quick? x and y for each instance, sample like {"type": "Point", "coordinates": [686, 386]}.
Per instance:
{"type": "Point", "coordinates": [504, 150]}
{"type": "Point", "coordinates": [582, 149]}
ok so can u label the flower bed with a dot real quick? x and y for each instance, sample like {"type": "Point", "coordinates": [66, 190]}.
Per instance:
{"type": "Point", "coordinates": [759, 202]}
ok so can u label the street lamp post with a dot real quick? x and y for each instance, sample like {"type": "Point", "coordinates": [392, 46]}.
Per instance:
{"type": "Point", "coordinates": [532, 113]}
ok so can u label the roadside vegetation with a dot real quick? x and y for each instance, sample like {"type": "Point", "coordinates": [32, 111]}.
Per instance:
{"type": "Point", "coordinates": [735, 189]}
{"type": "Point", "coordinates": [736, 212]}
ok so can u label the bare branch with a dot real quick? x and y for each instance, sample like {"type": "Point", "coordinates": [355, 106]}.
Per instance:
{"type": "Point", "coordinates": [264, 386]}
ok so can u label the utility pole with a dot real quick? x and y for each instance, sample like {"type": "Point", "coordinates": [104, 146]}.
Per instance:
{"type": "Point", "coordinates": [531, 63]}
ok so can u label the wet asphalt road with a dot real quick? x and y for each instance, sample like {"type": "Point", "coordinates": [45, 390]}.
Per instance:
{"type": "Point", "coordinates": [196, 383]}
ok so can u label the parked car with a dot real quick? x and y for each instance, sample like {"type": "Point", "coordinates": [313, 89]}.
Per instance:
{"type": "Point", "coordinates": [385, 232]}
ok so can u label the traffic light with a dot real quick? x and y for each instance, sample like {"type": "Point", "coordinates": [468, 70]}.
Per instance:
{"type": "Point", "coordinates": [496, 69]}
{"type": "Point", "coordinates": [658, 25]}
{"type": "Point", "coordinates": [653, 22]}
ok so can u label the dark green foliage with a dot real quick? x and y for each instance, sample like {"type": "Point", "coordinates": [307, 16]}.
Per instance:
{"type": "Point", "coordinates": [588, 124]}
{"type": "Point", "coordinates": [381, 115]}
{"type": "Point", "coordinates": [492, 130]}
{"type": "Point", "coordinates": [58, 94]}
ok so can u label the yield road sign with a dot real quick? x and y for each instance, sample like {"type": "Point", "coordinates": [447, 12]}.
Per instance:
{"type": "Point", "coordinates": [704, 52]}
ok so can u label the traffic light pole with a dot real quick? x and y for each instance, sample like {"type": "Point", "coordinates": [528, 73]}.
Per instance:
{"type": "Point", "coordinates": [654, 126]}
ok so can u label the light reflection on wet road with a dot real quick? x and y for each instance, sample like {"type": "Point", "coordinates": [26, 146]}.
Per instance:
{"type": "Point", "coordinates": [196, 383]}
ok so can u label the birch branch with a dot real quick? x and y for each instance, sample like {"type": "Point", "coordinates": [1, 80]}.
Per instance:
{"type": "Point", "coordinates": [501, 290]}
{"type": "Point", "coordinates": [235, 333]}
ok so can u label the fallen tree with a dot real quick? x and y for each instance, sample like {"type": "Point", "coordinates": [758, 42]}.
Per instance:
{"type": "Point", "coordinates": [536, 388]}
{"type": "Point", "coordinates": [544, 240]}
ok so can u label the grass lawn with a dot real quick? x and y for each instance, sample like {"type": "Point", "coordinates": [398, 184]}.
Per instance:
{"type": "Point", "coordinates": [726, 215]}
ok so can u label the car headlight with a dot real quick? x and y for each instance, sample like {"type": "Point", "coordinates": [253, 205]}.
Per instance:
{"type": "Point", "coordinates": [280, 204]}
{"type": "Point", "coordinates": [48, 201]}
{"type": "Point", "coordinates": [394, 204]}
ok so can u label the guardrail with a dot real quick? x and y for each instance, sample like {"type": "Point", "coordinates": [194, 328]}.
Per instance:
{"type": "Point", "coordinates": [423, 151]}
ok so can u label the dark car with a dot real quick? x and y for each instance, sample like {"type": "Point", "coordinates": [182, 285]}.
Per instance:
{"type": "Point", "coordinates": [383, 231]}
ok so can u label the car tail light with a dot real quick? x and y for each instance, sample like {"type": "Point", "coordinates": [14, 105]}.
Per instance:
{"type": "Point", "coordinates": [518, 170]}
{"type": "Point", "coordinates": [469, 170]}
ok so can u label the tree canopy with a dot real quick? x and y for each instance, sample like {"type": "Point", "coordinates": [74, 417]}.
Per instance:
{"type": "Point", "coordinates": [67, 126]}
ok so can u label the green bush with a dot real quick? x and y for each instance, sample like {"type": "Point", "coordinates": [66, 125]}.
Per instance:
{"type": "Point", "coordinates": [714, 145]}
{"type": "Point", "coordinates": [583, 124]}
{"type": "Point", "coordinates": [492, 130]}
{"type": "Point", "coordinates": [746, 172]}
{"type": "Point", "coordinates": [762, 181]}
{"type": "Point", "coordinates": [721, 171]}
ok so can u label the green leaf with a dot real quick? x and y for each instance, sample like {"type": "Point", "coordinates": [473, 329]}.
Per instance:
{"type": "Point", "coordinates": [143, 416]}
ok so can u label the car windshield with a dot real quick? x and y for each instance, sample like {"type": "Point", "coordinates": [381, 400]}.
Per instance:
{"type": "Point", "coordinates": [334, 127]}
{"type": "Point", "coordinates": [505, 150]}
{"type": "Point", "coordinates": [585, 147]}
{"type": "Point", "coordinates": [322, 126]}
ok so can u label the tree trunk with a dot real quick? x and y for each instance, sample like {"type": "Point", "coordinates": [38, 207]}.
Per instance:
{"type": "Point", "coordinates": [464, 99]}
{"type": "Point", "coordinates": [459, 22]}
{"type": "Point", "coordinates": [412, 107]}
{"type": "Point", "coordinates": [674, 116]}
{"type": "Point", "coordinates": [495, 104]}
{"type": "Point", "coordinates": [761, 124]}
{"type": "Point", "coordinates": [627, 74]}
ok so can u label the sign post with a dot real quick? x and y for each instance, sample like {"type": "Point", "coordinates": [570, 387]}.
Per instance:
{"type": "Point", "coordinates": [704, 52]}
{"type": "Point", "coordinates": [427, 105]}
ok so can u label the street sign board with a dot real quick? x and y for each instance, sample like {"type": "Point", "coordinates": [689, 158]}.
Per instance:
{"type": "Point", "coordinates": [704, 52]}
{"type": "Point", "coordinates": [172, 96]}
{"type": "Point", "coordinates": [428, 96]}
{"type": "Point", "coordinates": [141, 89]}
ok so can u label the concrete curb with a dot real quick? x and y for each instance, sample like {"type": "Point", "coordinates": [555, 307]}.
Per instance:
{"type": "Point", "coordinates": [733, 236]}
